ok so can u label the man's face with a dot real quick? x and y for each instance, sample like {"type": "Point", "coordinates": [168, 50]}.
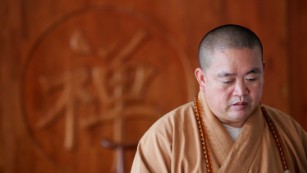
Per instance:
{"type": "Point", "coordinates": [233, 84]}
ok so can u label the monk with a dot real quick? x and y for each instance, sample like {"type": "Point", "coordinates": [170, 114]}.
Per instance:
{"type": "Point", "coordinates": [225, 128]}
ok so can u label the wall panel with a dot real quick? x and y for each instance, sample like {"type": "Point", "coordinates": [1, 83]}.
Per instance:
{"type": "Point", "coordinates": [74, 73]}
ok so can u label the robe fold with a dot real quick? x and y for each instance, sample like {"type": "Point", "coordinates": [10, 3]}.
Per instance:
{"type": "Point", "coordinates": [173, 144]}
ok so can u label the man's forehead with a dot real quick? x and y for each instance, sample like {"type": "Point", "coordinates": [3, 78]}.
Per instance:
{"type": "Point", "coordinates": [222, 49]}
{"type": "Point", "coordinates": [232, 54]}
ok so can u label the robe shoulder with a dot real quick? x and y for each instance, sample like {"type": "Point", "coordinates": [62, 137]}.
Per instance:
{"type": "Point", "coordinates": [293, 135]}
{"type": "Point", "coordinates": [171, 144]}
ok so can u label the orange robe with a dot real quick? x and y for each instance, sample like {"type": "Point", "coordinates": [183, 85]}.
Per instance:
{"type": "Point", "coordinates": [173, 144]}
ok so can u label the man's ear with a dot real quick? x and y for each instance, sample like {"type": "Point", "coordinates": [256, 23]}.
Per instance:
{"type": "Point", "coordinates": [200, 76]}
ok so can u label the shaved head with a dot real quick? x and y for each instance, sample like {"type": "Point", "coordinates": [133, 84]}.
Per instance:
{"type": "Point", "coordinates": [224, 37]}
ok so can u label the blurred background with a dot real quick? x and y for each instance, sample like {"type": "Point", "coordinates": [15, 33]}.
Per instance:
{"type": "Point", "coordinates": [82, 80]}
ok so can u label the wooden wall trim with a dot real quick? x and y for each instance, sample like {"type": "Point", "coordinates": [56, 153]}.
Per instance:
{"type": "Point", "coordinates": [298, 60]}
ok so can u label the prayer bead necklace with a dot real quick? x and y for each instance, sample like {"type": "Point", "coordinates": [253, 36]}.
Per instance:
{"type": "Point", "coordinates": [277, 139]}
{"type": "Point", "coordinates": [272, 127]}
{"type": "Point", "coordinates": [203, 141]}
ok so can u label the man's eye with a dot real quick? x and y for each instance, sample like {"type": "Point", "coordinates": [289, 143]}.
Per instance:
{"type": "Point", "coordinates": [251, 79]}
{"type": "Point", "coordinates": [228, 81]}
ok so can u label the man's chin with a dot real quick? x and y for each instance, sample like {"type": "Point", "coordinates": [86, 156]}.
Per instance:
{"type": "Point", "coordinates": [239, 115]}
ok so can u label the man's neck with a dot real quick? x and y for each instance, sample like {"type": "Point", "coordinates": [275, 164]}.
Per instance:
{"type": "Point", "coordinates": [233, 131]}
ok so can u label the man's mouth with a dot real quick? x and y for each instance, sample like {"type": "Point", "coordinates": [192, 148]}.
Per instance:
{"type": "Point", "coordinates": [239, 106]}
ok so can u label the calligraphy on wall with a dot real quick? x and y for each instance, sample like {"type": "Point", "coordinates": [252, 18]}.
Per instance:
{"type": "Point", "coordinates": [100, 73]}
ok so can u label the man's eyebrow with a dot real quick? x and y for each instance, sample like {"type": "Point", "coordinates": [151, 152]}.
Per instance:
{"type": "Point", "coordinates": [227, 74]}
{"type": "Point", "coordinates": [254, 71]}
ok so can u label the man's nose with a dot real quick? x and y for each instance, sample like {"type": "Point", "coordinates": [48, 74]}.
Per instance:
{"type": "Point", "coordinates": [240, 88]}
